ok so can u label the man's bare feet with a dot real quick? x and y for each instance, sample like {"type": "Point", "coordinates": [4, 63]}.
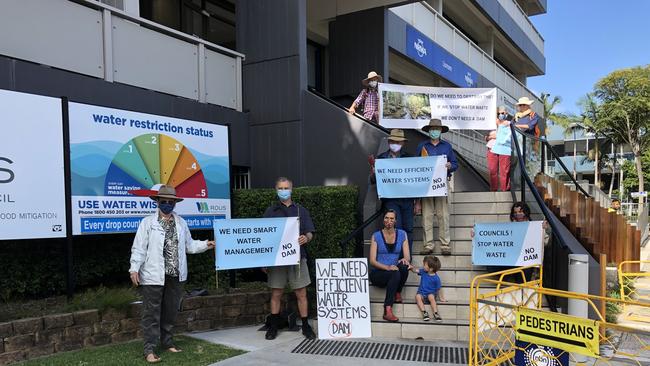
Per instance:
{"type": "Point", "coordinates": [152, 358]}
{"type": "Point", "coordinates": [174, 350]}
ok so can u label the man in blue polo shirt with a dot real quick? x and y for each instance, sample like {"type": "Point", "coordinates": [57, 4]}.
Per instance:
{"type": "Point", "coordinates": [295, 276]}
{"type": "Point", "coordinates": [437, 206]}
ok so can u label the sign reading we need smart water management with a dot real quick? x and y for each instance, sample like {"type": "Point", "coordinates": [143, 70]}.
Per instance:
{"type": "Point", "coordinates": [252, 243]}
{"type": "Point", "coordinates": [343, 298]}
{"type": "Point", "coordinates": [411, 177]}
{"type": "Point", "coordinates": [32, 183]}
{"type": "Point", "coordinates": [508, 244]}
{"type": "Point", "coordinates": [119, 156]}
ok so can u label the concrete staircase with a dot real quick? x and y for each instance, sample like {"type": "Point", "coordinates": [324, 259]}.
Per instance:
{"type": "Point", "coordinates": [466, 208]}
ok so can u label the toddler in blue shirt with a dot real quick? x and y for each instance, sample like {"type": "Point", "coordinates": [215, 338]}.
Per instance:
{"type": "Point", "coordinates": [430, 286]}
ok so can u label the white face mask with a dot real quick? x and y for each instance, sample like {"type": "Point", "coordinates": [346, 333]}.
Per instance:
{"type": "Point", "coordinates": [395, 147]}
{"type": "Point", "coordinates": [373, 83]}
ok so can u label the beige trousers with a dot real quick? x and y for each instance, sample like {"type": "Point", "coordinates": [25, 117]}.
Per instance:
{"type": "Point", "coordinates": [435, 206]}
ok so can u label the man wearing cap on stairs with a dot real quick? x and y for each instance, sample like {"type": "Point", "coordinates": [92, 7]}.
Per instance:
{"type": "Point", "coordinates": [437, 206]}
{"type": "Point", "coordinates": [403, 207]}
{"type": "Point", "coordinates": [159, 268]}
{"type": "Point", "coordinates": [369, 97]}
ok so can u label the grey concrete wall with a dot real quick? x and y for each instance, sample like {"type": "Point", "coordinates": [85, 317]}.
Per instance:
{"type": "Point", "coordinates": [32, 78]}
{"type": "Point", "coordinates": [273, 35]}
{"type": "Point", "coordinates": [357, 45]}
{"type": "Point", "coordinates": [338, 145]}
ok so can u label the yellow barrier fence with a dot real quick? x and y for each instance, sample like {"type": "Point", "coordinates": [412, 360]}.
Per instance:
{"type": "Point", "coordinates": [634, 285]}
{"type": "Point", "coordinates": [509, 318]}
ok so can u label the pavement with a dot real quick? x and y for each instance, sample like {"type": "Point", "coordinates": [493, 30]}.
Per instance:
{"type": "Point", "coordinates": [278, 351]}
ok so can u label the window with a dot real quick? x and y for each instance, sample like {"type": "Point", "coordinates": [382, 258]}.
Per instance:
{"type": "Point", "coordinates": [315, 67]}
{"type": "Point", "coordinates": [212, 20]}
{"type": "Point", "coordinates": [240, 177]}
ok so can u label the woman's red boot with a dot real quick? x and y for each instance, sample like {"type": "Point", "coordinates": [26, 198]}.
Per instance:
{"type": "Point", "coordinates": [389, 316]}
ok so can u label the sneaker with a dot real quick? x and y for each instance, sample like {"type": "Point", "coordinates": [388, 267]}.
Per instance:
{"type": "Point", "coordinates": [425, 316]}
{"type": "Point", "coordinates": [437, 317]}
{"type": "Point", "coordinates": [308, 332]}
{"type": "Point", "coordinates": [445, 250]}
{"type": "Point", "coordinates": [426, 251]}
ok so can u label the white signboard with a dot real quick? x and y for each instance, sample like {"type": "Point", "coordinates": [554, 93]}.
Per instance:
{"type": "Point", "coordinates": [407, 106]}
{"type": "Point", "coordinates": [118, 158]}
{"type": "Point", "coordinates": [508, 244]}
{"type": "Point", "coordinates": [412, 177]}
{"type": "Point", "coordinates": [343, 298]}
{"type": "Point", "coordinates": [32, 183]}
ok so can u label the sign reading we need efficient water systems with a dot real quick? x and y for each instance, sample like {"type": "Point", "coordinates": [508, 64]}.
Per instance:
{"type": "Point", "coordinates": [253, 243]}
{"type": "Point", "coordinates": [32, 183]}
{"type": "Point", "coordinates": [120, 157]}
{"type": "Point", "coordinates": [343, 298]}
{"type": "Point", "coordinates": [508, 244]}
{"type": "Point", "coordinates": [411, 177]}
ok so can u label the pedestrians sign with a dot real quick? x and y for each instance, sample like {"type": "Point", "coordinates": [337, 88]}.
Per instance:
{"type": "Point", "coordinates": [569, 333]}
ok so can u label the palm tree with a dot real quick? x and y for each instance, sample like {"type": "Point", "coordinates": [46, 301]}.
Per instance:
{"type": "Point", "coordinates": [549, 105]}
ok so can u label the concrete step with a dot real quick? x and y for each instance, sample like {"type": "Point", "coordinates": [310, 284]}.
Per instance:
{"type": "Point", "coordinates": [451, 292]}
{"type": "Point", "coordinates": [448, 311]}
{"type": "Point", "coordinates": [480, 208]}
{"type": "Point", "coordinates": [458, 247]}
{"type": "Point", "coordinates": [449, 262]}
{"type": "Point", "coordinates": [457, 277]}
{"type": "Point", "coordinates": [460, 197]}
{"type": "Point", "coordinates": [467, 220]}
{"type": "Point", "coordinates": [456, 233]}
{"type": "Point", "coordinates": [412, 328]}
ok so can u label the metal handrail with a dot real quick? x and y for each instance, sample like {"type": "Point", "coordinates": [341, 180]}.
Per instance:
{"type": "Point", "coordinates": [341, 106]}
{"type": "Point", "coordinates": [344, 243]}
{"type": "Point", "coordinates": [557, 158]}
{"type": "Point", "coordinates": [522, 166]}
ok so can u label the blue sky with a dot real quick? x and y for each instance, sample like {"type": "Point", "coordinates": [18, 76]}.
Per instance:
{"type": "Point", "coordinates": [586, 40]}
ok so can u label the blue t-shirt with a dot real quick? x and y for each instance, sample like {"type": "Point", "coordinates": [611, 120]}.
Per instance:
{"type": "Point", "coordinates": [429, 284]}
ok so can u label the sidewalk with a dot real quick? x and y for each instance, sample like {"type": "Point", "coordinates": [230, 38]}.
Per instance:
{"type": "Point", "coordinates": [278, 351]}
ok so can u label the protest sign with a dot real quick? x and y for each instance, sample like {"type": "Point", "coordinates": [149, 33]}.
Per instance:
{"type": "Point", "coordinates": [407, 106]}
{"type": "Point", "coordinates": [250, 243]}
{"type": "Point", "coordinates": [411, 177]}
{"type": "Point", "coordinates": [343, 298]}
{"type": "Point", "coordinates": [508, 244]}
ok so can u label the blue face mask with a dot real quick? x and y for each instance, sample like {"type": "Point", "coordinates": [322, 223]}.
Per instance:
{"type": "Point", "coordinates": [435, 134]}
{"type": "Point", "coordinates": [502, 117]}
{"type": "Point", "coordinates": [284, 194]}
{"type": "Point", "coordinates": [166, 207]}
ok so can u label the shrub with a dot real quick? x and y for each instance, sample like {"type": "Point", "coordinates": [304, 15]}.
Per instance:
{"type": "Point", "coordinates": [36, 268]}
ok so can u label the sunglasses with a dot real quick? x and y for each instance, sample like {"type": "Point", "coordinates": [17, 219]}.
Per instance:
{"type": "Point", "coordinates": [167, 201]}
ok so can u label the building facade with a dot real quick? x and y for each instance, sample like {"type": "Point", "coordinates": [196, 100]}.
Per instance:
{"type": "Point", "coordinates": [276, 71]}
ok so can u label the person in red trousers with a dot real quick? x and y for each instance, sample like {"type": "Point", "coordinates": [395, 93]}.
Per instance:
{"type": "Point", "coordinates": [499, 151]}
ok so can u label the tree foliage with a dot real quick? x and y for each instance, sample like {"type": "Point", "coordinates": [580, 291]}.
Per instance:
{"type": "Point", "coordinates": [624, 110]}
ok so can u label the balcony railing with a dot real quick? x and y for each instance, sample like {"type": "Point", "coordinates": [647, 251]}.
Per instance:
{"type": "Point", "coordinates": [426, 20]}
{"type": "Point", "coordinates": [519, 16]}
{"type": "Point", "coordinates": [90, 38]}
